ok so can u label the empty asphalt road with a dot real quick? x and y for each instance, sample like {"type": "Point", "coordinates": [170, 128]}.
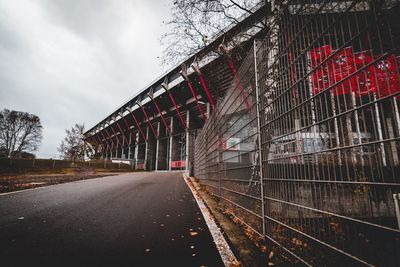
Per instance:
{"type": "Point", "coordinates": [133, 219]}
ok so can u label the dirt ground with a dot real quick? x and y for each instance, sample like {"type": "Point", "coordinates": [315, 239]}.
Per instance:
{"type": "Point", "coordinates": [15, 182]}
{"type": "Point", "coordinates": [251, 251]}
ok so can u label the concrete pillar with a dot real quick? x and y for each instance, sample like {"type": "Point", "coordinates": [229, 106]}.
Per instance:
{"type": "Point", "coordinates": [146, 151]}
{"type": "Point", "coordinates": [187, 140]}
{"type": "Point", "coordinates": [129, 147]}
{"type": "Point", "coordinates": [136, 152]}
{"type": "Point", "coordinates": [170, 143]}
{"type": "Point", "coordinates": [162, 147]}
{"type": "Point", "coordinates": [116, 148]}
{"type": "Point", "coordinates": [151, 149]}
{"type": "Point", "coordinates": [123, 148]}
{"type": "Point", "coordinates": [157, 144]}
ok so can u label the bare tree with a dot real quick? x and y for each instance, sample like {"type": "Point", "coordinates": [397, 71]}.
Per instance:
{"type": "Point", "coordinates": [19, 132]}
{"type": "Point", "coordinates": [195, 22]}
{"type": "Point", "coordinates": [73, 146]}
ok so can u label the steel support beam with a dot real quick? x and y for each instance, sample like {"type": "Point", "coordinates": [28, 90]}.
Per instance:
{"type": "Point", "coordinates": [137, 124]}
{"type": "Point", "coordinates": [239, 84]}
{"type": "Point", "coordinates": [112, 142]}
{"type": "Point", "coordinates": [159, 112]}
{"type": "Point", "coordinates": [203, 83]}
{"type": "Point", "coordinates": [157, 146]}
{"type": "Point", "coordinates": [189, 83]}
{"type": "Point", "coordinates": [116, 137]}
{"type": "Point", "coordinates": [147, 118]}
{"type": "Point", "coordinates": [102, 144]}
{"type": "Point", "coordinates": [108, 145]}
{"type": "Point", "coordinates": [123, 134]}
{"type": "Point", "coordinates": [165, 86]}
{"type": "Point", "coordinates": [130, 130]}
{"type": "Point", "coordinates": [97, 144]}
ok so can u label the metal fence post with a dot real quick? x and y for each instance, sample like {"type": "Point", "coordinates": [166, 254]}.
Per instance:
{"type": "Point", "coordinates": [258, 109]}
{"type": "Point", "coordinates": [220, 161]}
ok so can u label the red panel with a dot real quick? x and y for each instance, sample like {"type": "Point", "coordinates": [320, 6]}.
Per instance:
{"type": "Point", "coordinates": [342, 67]}
{"type": "Point", "coordinates": [387, 76]}
{"type": "Point", "coordinates": [366, 82]}
{"type": "Point", "coordinates": [178, 164]}
{"type": "Point", "coordinates": [381, 78]}
{"type": "Point", "coordinates": [334, 71]}
{"type": "Point", "coordinates": [320, 77]}
{"type": "Point", "coordinates": [140, 166]}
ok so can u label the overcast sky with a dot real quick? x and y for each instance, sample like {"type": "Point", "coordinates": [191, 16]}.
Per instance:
{"type": "Point", "coordinates": [76, 61]}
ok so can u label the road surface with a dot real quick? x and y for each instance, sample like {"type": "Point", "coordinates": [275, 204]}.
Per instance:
{"type": "Point", "coordinates": [134, 219]}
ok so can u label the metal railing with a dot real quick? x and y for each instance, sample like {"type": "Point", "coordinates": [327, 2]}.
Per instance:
{"type": "Point", "coordinates": [316, 105]}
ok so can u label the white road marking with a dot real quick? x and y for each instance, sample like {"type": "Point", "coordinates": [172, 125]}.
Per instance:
{"type": "Point", "coordinates": [227, 256]}
{"type": "Point", "coordinates": [24, 190]}
{"type": "Point", "coordinates": [45, 186]}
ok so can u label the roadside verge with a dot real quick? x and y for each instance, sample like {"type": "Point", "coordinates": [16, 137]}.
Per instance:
{"type": "Point", "coordinates": [248, 254]}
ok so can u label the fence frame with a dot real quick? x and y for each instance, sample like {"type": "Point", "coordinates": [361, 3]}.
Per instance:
{"type": "Point", "coordinates": [320, 226]}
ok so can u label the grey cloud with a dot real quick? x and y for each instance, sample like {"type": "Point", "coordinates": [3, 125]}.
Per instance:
{"type": "Point", "coordinates": [76, 61]}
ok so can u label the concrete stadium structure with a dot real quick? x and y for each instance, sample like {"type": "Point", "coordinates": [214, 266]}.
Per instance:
{"type": "Point", "coordinates": [156, 129]}
{"type": "Point", "coordinates": [300, 128]}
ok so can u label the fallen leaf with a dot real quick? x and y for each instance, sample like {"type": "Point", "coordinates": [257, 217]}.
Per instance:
{"type": "Point", "coordinates": [271, 254]}
{"type": "Point", "coordinates": [194, 233]}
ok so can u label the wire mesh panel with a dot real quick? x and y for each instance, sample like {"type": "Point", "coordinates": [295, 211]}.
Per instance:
{"type": "Point", "coordinates": [330, 129]}
{"type": "Point", "coordinates": [320, 94]}
{"type": "Point", "coordinates": [226, 151]}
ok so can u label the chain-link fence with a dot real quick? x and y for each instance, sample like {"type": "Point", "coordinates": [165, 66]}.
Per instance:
{"type": "Point", "coordinates": [327, 119]}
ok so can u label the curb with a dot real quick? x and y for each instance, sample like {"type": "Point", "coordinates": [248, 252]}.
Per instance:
{"type": "Point", "coordinates": [227, 256]}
